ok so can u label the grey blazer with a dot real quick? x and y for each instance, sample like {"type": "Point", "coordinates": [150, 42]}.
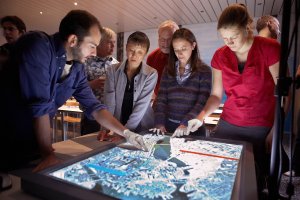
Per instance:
{"type": "Point", "coordinates": [142, 117]}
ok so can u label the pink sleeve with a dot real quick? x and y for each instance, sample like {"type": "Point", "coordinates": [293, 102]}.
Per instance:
{"type": "Point", "coordinates": [215, 62]}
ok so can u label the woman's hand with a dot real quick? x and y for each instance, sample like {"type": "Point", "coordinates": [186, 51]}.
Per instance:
{"type": "Point", "coordinates": [180, 131]}
{"type": "Point", "coordinates": [159, 130]}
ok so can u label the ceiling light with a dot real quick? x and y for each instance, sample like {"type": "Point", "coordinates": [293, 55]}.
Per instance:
{"type": "Point", "coordinates": [41, 12]}
{"type": "Point", "coordinates": [75, 3]}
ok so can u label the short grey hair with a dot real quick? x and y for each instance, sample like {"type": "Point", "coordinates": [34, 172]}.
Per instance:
{"type": "Point", "coordinates": [168, 24]}
{"type": "Point", "coordinates": [107, 33]}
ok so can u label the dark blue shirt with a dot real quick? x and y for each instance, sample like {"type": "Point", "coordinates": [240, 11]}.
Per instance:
{"type": "Point", "coordinates": [32, 85]}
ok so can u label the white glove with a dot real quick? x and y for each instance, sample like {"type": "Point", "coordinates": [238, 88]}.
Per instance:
{"type": "Point", "coordinates": [135, 139]}
{"type": "Point", "coordinates": [157, 131]}
{"type": "Point", "coordinates": [193, 125]}
{"type": "Point", "coordinates": [180, 131]}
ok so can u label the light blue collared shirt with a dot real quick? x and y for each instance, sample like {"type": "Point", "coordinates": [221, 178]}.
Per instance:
{"type": "Point", "coordinates": [187, 72]}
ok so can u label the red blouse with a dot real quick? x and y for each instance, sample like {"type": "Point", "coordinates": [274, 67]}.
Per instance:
{"type": "Point", "coordinates": [158, 60]}
{"type": "Point", "coordinates": [250, 95]}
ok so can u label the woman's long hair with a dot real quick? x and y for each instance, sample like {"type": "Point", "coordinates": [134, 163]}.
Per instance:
{"type": "Point", "coordinates": [186, 34]}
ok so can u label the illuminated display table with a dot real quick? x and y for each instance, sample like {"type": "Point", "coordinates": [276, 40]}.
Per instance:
{"type": "Point", "coordinates": [175, 168]}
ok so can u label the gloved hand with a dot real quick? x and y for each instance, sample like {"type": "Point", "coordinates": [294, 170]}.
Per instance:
{"type": "Point", "coordinates": [180, 131]}
{"type": "Point", "coordinates": [193, 125]}
{"type": "Point", "coordinates": [135, 139]}
{"type": "Point", "coordinates": [158, 131]}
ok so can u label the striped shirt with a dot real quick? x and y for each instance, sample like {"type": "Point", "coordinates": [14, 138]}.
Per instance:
{"type": "Point", "coordinates": [182, 102]}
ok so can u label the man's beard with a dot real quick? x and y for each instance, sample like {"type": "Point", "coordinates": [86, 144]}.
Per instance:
{"type": "Point", "coordinates": [76, 53]}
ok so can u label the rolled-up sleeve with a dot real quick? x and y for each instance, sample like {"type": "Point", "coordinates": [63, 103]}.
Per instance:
{"type": "Point", "coordinates": [85, 96]}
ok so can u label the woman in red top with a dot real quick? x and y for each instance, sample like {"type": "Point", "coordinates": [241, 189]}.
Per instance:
{"type": "Point", "coordinates": [247, 68]}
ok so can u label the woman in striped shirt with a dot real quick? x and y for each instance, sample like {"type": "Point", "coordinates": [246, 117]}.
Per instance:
{"type": "Point", "coordinates": [184, 88]}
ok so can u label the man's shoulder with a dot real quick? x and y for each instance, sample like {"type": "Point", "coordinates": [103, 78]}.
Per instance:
{"type": "Point", "coordinates": [33, 39]}
{"type": "Point", "coordinates": [116, 67]}
{"type": "Point", "coordinates": [157, 57]}
{"type": "Point", "coordinates": [155, 52]}
{"type": "Point", "coordinates": [114, 61]}
{"type": "Point", "coordinates": [35, 34]}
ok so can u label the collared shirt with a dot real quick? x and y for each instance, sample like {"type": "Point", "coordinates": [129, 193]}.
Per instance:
{"type": "Point", "coordinates": [181, 103]}
{"type": "Point", "coordinates": [187, 72]}
{"type": "Point", "coordinates": [250, 95]}
{"type": "Point", "coordinates": [66, 71]}
{"type": "Point", "coordinates": [95, 68]}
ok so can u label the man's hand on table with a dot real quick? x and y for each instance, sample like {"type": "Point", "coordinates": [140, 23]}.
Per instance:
{"type": "Point", "coordinates": [46, 162]}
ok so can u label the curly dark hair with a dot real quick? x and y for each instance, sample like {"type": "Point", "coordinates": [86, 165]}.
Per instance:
{"type": "Point", "coordinates": [77, 22]}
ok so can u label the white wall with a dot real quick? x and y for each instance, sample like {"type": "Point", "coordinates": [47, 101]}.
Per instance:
{"type": "Point", "coordinates": [206, 34]}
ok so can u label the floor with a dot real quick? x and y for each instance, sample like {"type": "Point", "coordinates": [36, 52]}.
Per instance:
{"type": "Point", "coordinates": [285, 179]}
{"type": "Point", "coordinates": [284, 184]}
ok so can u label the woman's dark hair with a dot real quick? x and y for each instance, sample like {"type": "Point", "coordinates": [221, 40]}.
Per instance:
{"type": "Point", "coordinates": [77, 22]}
{"type": "Point", "coordinates": [234, 15]}
{"type": "Point", "coordinates": [186, 34]}
{"type": "Point", "coordinates": [139, 38]}
{"type": "Point", "coordinates": [15, 21]}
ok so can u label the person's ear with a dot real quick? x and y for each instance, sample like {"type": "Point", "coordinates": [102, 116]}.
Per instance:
{"type": "Point", "coordinates": [194, 45]}
{"type": "Point", "coordinates": [72, 40]}
{"type": "Point", "coordinates": [248, 28]}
